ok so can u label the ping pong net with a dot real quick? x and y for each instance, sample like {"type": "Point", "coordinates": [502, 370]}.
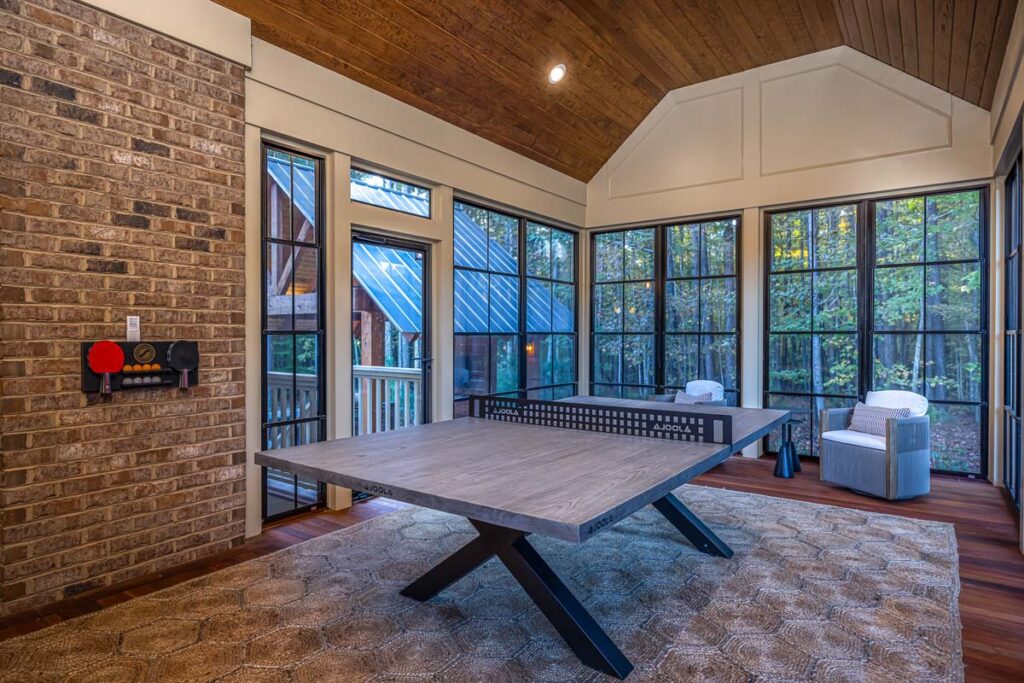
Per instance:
{"type": "Point", "coordinates": [675, 425]}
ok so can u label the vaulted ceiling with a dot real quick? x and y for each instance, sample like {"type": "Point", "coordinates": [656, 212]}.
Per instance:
{"type": "Point", "coordinates": [482, 64]}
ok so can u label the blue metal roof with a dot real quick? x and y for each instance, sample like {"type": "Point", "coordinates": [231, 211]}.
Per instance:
{"type": "Point", "coordinates": [393, 277]}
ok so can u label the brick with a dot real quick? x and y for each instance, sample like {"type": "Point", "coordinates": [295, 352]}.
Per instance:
{"type": "Point", "coordinates": [124, 189]}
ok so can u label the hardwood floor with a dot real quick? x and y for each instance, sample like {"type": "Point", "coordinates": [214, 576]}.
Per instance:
{"type": "Point", "coordinates": [991, 565]}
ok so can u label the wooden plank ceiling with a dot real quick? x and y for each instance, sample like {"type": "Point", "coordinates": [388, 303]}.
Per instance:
{"type": "Point", "coordinates": [482, 64]}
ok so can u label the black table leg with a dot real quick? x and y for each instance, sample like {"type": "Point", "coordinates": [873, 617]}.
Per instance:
{"type": "Point", "coordinates": [689, 525]}
{"type": "Point", "coordinates": [572, 621]}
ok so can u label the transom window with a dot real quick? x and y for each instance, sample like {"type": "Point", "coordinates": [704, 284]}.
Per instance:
{"type": "Point", "coordinates": [367, 187]}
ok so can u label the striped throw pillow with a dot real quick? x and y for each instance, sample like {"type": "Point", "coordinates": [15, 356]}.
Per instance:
{"type": "Point", "coordinates": [683, 397]}
{"type": "Point", "coordinates": [871, 419]}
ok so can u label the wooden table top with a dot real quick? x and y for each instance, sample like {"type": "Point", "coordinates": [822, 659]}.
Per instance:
{"type": "Point", "coordinates": [563, 483]}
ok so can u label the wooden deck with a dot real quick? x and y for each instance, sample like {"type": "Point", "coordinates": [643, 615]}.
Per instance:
{"type": "Point", "coordinates": [991, 565]}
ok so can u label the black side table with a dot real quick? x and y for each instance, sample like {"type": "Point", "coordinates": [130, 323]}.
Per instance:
{"type": "Point", "coordinates": [787, 462]}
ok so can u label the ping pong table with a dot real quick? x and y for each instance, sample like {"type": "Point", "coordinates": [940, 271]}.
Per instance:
{"type": "Point", "coordinates": [565, 469]}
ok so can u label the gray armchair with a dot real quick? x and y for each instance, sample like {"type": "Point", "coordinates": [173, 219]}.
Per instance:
{"type": "Point", "coordinates": [895, 466]}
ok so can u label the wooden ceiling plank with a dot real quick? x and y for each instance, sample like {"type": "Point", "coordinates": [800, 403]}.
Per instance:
{"type": "Point", "coordinates": [878, 30]}
{"type": "Point", "coordinates": [638, 44]}
{"type": "Point", "coordinates": [668, 50]}
{"type": "Point", "coordinates": [845, 9]}
{"type": "Point", "coordinates": [810, 12]}
{"type": "Point", "coordinates": [739, 48]}
{"type": "Point", "coordinates": [520, 58]}
{"type": "Point", "coordinates": [908, 35]}
{"type": "Point", "coordinates": [776, 23]}
{"type": "Point", "coordinates": [409, 32]}
{"type": "Point", "coordinates": [390, 42]}
{"type": "Point", "coordinates": [798, 27]}
{"type": "Point", "coordinates": [943, 42]}
{"type": "Point", "coordinates": [830, 18]}
{"type": "Point", "coordinates": [674, 22]}
{"type": "Point", "coordinates": [1001, 36]}
{"type": "Point", "coordinates": [695, 18]}
{"type": "Point", "coordinates": [867, 35]}
{"type": "Point", "coordinates": [891, 14]}
{"type": "Point", "coordinates": [560, 26]}
{"type": "Point", "coordinates": [749, 13]}
{"type": "Point", "coordinates": [733, 14]}
{"type": "Point", "coordinates": [960, 47]}
{"type": "Point", "coordinates": [925, 41]}
{"type": "Point", "coordinates": [985, 16]}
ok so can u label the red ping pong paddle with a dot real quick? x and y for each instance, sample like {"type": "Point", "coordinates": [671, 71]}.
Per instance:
{"type": "Point", "coordinates": [105, 357]}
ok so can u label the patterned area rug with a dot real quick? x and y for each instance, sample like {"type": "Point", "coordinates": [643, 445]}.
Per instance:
{"type": "Point", "coordinates": [813, 593]}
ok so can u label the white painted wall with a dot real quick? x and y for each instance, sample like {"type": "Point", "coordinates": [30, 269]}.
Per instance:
{"type": "Point", "coordinates": [829, 124]}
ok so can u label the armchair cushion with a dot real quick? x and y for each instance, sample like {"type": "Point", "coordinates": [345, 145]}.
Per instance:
{"type": "Point", "coordinates": [690, 399]}
{"type": "Point", "coordinates": [894, 398]}
{"type": "Point", "coordinates": [871, 419]}
{"type": "Point", "coordinates": [698, 387]}
{"type": "Point", "coordinates": [852, 438]}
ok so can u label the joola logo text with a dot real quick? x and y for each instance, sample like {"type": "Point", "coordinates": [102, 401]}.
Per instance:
{"type": "Point", "coordinates": [682, 429]}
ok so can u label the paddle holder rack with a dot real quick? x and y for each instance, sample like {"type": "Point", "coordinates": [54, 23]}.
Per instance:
{"type": "Point", "coordinates": [674, 425]}
{"type": "Point", "coordinates": [114, 366]}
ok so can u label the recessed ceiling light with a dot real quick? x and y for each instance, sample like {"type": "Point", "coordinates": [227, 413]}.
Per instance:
{"type": "Point", "coordinates": [557, 73]}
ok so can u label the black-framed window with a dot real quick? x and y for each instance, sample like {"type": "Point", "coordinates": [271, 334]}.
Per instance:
{"type": "Point", "coordinates": [293, 403]}
{"type": "Point", "coordinates": [813, 314]}
{"type": "Point", "coordinates": [665, 308]}
{"type": "Point", "coordinates": [376, 189]}
{"type": "Point", "coordinates": [515, 306]}
{"type": "Point", "coordinates": [897, 300]}
{"type": "Point", "coordinates": [1011, 343]}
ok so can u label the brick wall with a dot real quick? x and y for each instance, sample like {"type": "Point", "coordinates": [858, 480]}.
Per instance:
{"type": "Point", "coordinates": [121, 181]}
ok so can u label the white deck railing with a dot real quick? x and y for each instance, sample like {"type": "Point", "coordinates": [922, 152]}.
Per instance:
{"type": "Point", "coordinates": [385, 398]}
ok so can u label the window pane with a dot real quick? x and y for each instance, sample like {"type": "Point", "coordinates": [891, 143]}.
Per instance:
{"type": "Point", "coordinates": [718, 359]}
{"type": "Point", "coordinates": [953, 371]}
{"type": "Point", "coordinates": [504, 304]}
{"type": "Point", "coordinates": [898, 298]}
{"type": "Point", "coordinates": [565, 359]}
{"type": "Point", "coordinates": [899, 231]}
{"type": "Point", "coordinates": [470, 301]}
{"type": "Point", "coordinates": [955, 437]}
{"type": "Point", "coordinates": [562, 255]}
{"type": "Point", "coordinates": [898, 362]}
{"type": "Point", "coordinates": [638, 313]}
{"type": "Point", "coordinates": [306, 262]}
{"type": "Point", "coordinates": [304, 209]}
{"type": "Point", "coordinates": [639, 254]}
{"type": "Point", "coordinates": [540, 360]}
{"type": "Point", "coordinates": [718, 248]}
{"type": "Point", "coordinates": [538, 250]}
{"type": "Point", "coordinates": [608, 390]}
{"type": "Point", "coordinates": [790, 302]}
{"type": "Point", "coordinates": [638, 359]}
{"type": "Point", "coordinates": [681, 306]}
{"type": "Point", "coordinates": [637, 393]}
{"type": "Point", "coordinates": [954, 226]}
{"type": "Point", "coordinates": [835, 237]}
{"type": "Point", "coordinates": [791, 240]}
{"type": "Point", "coordinates": [540, 394]}
{"type": "Point", "coordinates": [538, 306]}
{"type": "Point", "coordinates": [954, 297]}
{"type": "Point", "coordinates": [279, 366]}
{"type": "Point", "coordinates": [471, 365]}
{"type": "Point", "coordinates": [561, 392]}
{"type": "Point", "coordinates": [470, 236]}
{"type": "Point", "coordinates": [278, 281]}
{"type": "Point", "coordinates": [563, 308]}
{"type": "Point", "coordinates": [835, 300]}
{"type": "Point", "coordinates": [504, 363]}
{"type": "Point", "coordinates": [718, 305]}
{"type": "Point", "coordinates": [607, 358]}
{"type": "Point", "coordinates": [607, 308]}
{"type": "Point", "coordinates": [279, 192]}
{"type": "Point", "coordinates": [682, 353]}
{"type": "Point", "coordinates": [307, 373]}
{"type": "Point", "coordinates": [503, 243]}
{"type": "Point", "coordinates": [683, 247]}
{"type": "Point", "coordinates": [608, 257]}
{"type": "Point", "coordinates": [789, 367]}
{"type": "Point", "coordinates": [834, 364]}
{"type": "Point", "coordinates": [380, 190]}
